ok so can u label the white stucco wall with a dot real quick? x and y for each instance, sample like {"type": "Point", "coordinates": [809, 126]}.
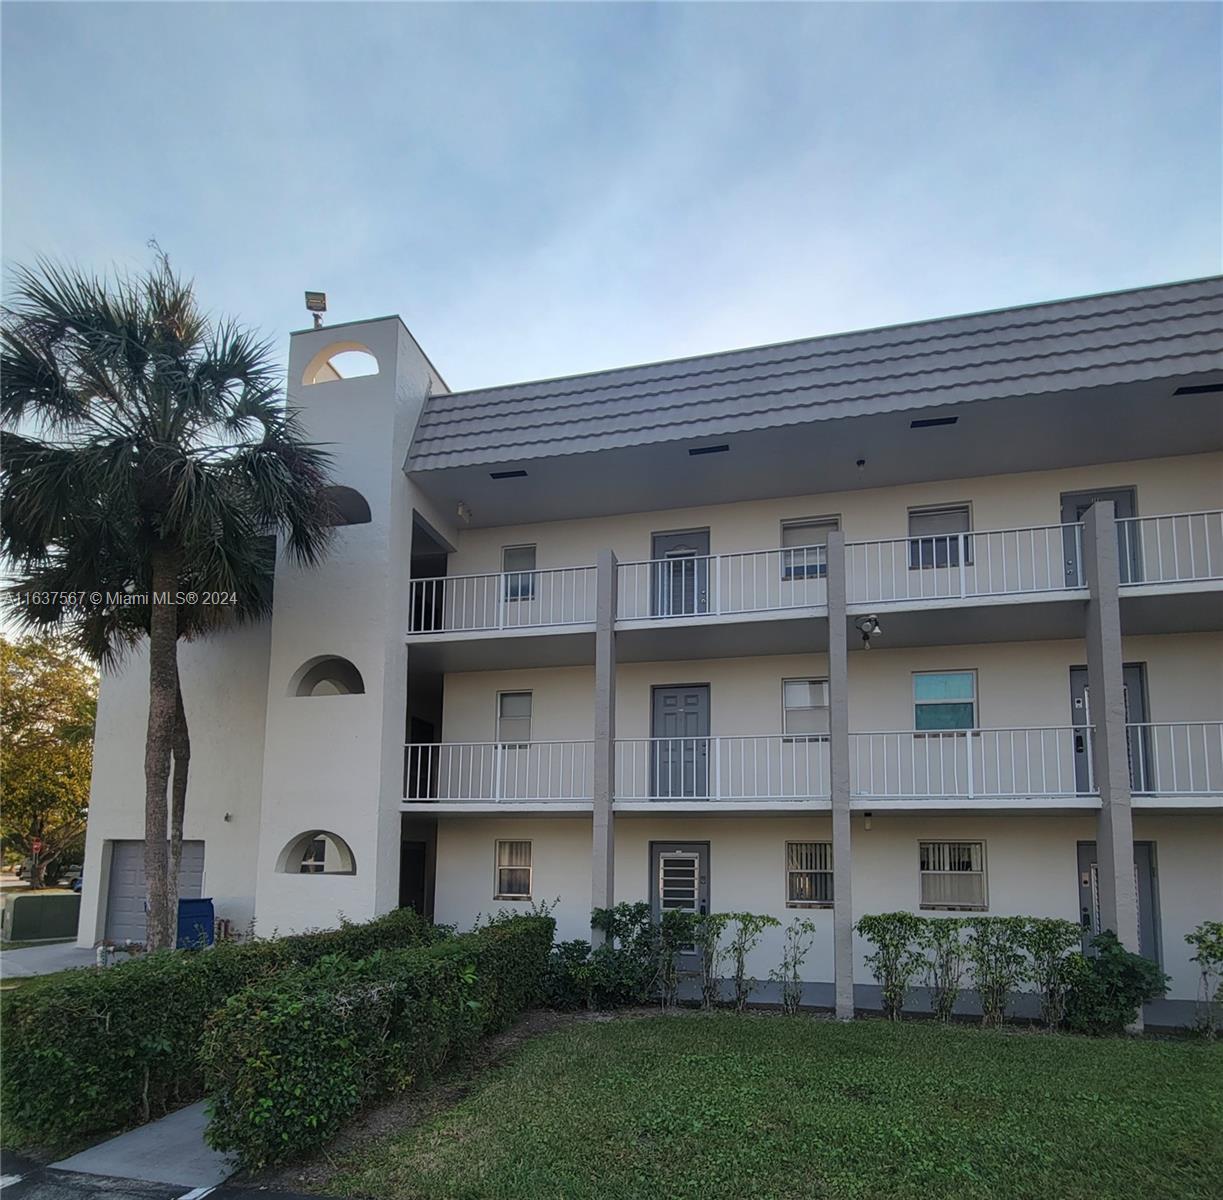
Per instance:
{"type": "Point", "coordinates": [335, 763]}
{"type": "Point", "coordinates": [224, 692]}
{"type": "Point", "coordinates": [1031, 866]}
{"type": "Point", "coordinates": [1185, 484]}
{"type": "Point", "coordinates": [1018, 684]}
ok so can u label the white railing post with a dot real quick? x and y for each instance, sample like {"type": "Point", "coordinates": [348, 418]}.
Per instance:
{"type": "Point", "coordinates": [968, 737]}
{"type": "Point", "coordinates": [963, 564]}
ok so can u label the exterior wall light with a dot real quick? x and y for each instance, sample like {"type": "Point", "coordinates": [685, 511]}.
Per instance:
{"type": "Point", "coordinates": [868, 627]}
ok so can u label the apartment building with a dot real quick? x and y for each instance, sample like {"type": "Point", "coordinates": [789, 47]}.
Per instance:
{"type": "Point", "coordinates": [926, 617]}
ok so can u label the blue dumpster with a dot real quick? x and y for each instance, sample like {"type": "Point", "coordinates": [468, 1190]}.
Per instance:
{"type": "Point", "coordinates": [195, 923]}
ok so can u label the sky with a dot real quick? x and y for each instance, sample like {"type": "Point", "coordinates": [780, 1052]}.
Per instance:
{"type": "Point", "coordinates": [545, 189]}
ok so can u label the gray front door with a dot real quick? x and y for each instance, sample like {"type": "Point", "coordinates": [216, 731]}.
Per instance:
{"type": "Point", "coordinates": [1125, 501]}
{"type": "Point", "coordinates": [125, 890]}
{"type": "Point", "coordinates": [1134, 681]}
{"type": "Point", "coordinates": [680, 729]}
{"type": "Point", "coordinates": [680, 583]}
{"type": "Point", "coordinates": [1148, 899]}
{"type": "Point", "coordinates": [679, 879]}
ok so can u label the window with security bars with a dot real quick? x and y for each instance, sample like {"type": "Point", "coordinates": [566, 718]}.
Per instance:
{"type": "Point", "coordinates": [935, 536]}
{"type": "Point", "coordinates": [803, 547]}
{"type": "Point", "coordinates": [952, 875]}
{"type": "Point", "coordinates": [808, 874]}
{"type": "Point", "coordinates": [518, 567]}
{"type": "Point", "coordinates": [513, 871]}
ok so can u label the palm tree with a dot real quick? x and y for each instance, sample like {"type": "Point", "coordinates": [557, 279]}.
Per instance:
{"type": "Point", "coordinates": [148, 456]}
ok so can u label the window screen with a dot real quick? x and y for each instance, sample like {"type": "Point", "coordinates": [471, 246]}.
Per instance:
{"type": "Point", "coordinates": [518, 566]}
{"type": "Point", "coordinates": [945, 700]}
{"type": "Point", "coordinates": [513, 871]}
{"type": "Point", "coordinates": [934, 536]}
{"type": "Point", "coordinates": [952, 874]}
{"type": "Point", "coordinates": [803, 547]}
{"type": "Point", "coordinates": [804, 707]}
{"type": "Point", "coordinates": [808, 872]}
{"type": "Point", "coordinates": [513, 718]}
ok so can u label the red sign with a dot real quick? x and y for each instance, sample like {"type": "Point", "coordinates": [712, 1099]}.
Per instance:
{"type": "Point", "coordinates": [36, 846]}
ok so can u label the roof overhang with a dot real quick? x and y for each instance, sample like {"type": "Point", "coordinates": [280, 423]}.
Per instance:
{"type": "Point", "coordinates": [1113, 423]}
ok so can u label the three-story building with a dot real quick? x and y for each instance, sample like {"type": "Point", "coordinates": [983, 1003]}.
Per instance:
{"type": "Point", "coordinates": [927, 617]}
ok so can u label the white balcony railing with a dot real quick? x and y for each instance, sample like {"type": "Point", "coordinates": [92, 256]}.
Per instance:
{"type": "Point", "coordinates": [996, 562]}
{"type": "Point", "coordinates": [506, 600]}
{"type": "Point", "coordinates": [749, 768]}
{"type": "Point", "coordinates": [535, 772]}
{"type": "Point", "coordinates": [1180, 548]}
{"type": "Point", "coordinates": [979, 763]}
{"type": "Point", "coordinates": [1180, 759]}
{"type": "Point", "coordinates": [721, 584]}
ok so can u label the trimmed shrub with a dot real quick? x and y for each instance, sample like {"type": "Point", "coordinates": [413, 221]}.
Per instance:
{"type": "Point", "coordinates": [942, 938]}
{"type": "Point", "coordinates": [1049, 943]}
{"type": "Point", "coordinates": [996, 965]}
{"type": "Point", "coordinates": [1108, 988]}
{"type": "Point", "coordinates": [122, 1044]}
{"type": "Point", "coordinates": [677, 928]}
{"type": "Point", "coordinates": [1207, 940]}
{"type": "Point", "coordinates": [894, 961]}
{"type": "Point", "coordinates": [289, 1059]}
{"type": "Point", "coordinates": [749, 929]}
{"type": "Point", "coordinates": [796, 944]}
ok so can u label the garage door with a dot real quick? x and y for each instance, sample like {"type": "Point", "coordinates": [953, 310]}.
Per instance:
{"type": "Point", "coordinates": [125, 921]}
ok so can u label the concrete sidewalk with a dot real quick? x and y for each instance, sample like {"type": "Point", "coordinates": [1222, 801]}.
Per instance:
{"type": "Point", "coordinates": [43, 960]}
{"type": "Point", "coordinates": [171, 1150]}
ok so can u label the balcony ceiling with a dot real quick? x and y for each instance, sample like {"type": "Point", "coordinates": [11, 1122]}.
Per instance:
{"type": "Point", "coordinates": [1111, 423]}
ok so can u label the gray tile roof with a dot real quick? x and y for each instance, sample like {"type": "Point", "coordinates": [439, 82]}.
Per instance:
{"type": "Point", "coordinates": [1120, 337]}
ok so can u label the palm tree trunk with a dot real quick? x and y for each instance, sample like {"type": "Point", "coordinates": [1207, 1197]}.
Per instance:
{"type": "Point", "coordinates": [178, 792]}
{"type": "Point", "coordinates": [163, 687]}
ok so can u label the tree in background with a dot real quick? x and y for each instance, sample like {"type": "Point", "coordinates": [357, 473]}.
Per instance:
{"type": "Point", "coordinates": [50, 698]}
{"type": "Point", "coordinates": [148, 453]}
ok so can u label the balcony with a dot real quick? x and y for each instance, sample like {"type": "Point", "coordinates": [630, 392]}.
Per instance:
{"type": "Point", "coordinates": [1024, 583]}
{"type": "Point", "coordinates": [1174, 762]}
{"type": "Point", "coordinates": [736, 772]}
{"type": "Point", "coordinates": [1171, 765]}
{"type": "Point", "coordinates": [476, 776]}
{"type": "Point", "coordinates": [1050, 763]}
{"type": "Point", "coordinates": [495, 620]}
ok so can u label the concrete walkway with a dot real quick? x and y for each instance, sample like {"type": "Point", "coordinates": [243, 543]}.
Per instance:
{"type": "Point", "coordinates": [171, 1150]}
{"type": "Point", "coordinates": [43, 960]}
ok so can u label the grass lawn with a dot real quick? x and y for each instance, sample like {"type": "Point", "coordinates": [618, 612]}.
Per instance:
{"type": "Point", "coordinates": [764, 1106]}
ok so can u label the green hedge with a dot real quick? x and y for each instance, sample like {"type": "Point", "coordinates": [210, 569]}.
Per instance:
{"type": "Point", "coordinates": [290, 1058]}
{"type": "Point", "coordinates": [100, 1049]}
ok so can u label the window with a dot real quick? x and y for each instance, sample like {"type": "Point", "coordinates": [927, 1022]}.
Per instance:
{"type": "Point", "coordinates": [945, 700]}
{"type": "Point", "coordinates": [934, 534]}
{"type": "Point", "coordinates": [513, 871]}
{"type": "Point", "coordinates": [804, 704]}
{"type": "Point", "coordinates": [315, 857]}
{"type": "Point", "coordinates": [518, 566]}
{"type": "Point", "coordinates": [952, 874]}
{"type": "Point", "coordinates": [808, 873]}
{"type": "Point", "coordinates": [513, 718]}
{"type": "Point", "coordinates": [803, 547]}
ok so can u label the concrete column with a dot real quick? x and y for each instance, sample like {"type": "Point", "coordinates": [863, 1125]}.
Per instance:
{"type": "Point", "coordinates": [603, 840]}
{"type": "Point", "coordinates": [838, 728]}
{"type": "Point", "coordinates": [1115, 833]}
